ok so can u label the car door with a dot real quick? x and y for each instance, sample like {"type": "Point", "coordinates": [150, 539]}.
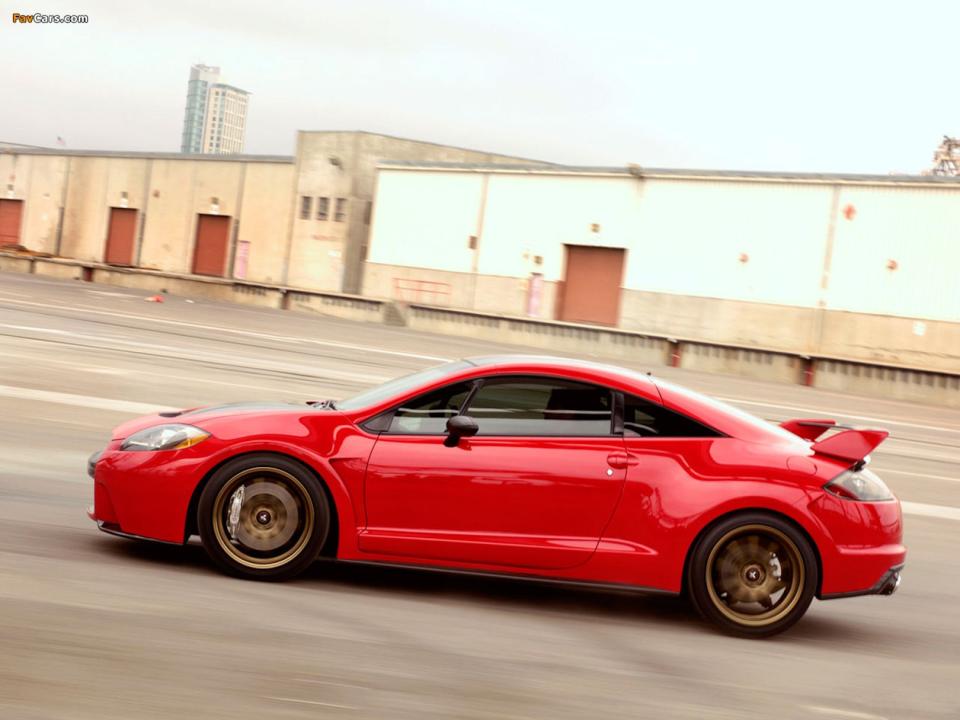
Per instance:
{"type": "Point", "coordinates": [534, 488]}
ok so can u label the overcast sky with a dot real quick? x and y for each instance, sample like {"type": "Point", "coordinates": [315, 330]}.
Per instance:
{"type": "Point", "coordinates": [813, 85]}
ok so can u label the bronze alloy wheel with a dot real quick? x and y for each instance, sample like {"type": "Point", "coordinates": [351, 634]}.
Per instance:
{"type": "Point", "coordinates": [755, 575]}
{"type": "Point", "coordinates": [752, 574]}
{"type": "Point", "coordinates": [263, 517]}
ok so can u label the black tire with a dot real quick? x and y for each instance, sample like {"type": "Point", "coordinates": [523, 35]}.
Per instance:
{"type": "Point", "coordinates": [752, 575]}
{"type": "Point", "coordinates": [280, 517]}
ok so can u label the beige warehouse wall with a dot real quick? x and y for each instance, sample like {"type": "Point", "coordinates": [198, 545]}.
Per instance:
{"type": "Point", "coordinates": [45, 183]}
{"type": "Point", "coordinates": [317, 250]}
{"type": "Point", "coordinates": [327, 255]}
{"type": "Point", "coordinates": [95, 185]}
{"type": "Point", "coordinates": [265, 219]}
{"type": "Point", "coordinates": [38, 183]}
{"type": "Point", "coordinates": [180, 190]}
{"type": "Point", "coordinates": [167, 232]}
{"type": "Point", "coordinates": [85, 214]}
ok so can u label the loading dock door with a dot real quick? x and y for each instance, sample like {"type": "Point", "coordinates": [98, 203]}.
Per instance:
{"type": "Point", "coordinates": [213, 240]}
{"type": "Point", "coordinates": [11, 211]}
{"type": "Point", "coordinates": [591, 285]}
{"type": "Point", "coordinates": [121, 237]}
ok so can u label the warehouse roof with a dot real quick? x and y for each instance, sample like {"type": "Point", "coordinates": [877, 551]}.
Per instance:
{"type": "Point", "coordinates": [673, 173]}
{"type": "Point", "coordinates": [27, 150]}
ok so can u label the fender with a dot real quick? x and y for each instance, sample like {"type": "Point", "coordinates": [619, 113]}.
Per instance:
{"type": "Point", "coordinates": [340, 488]}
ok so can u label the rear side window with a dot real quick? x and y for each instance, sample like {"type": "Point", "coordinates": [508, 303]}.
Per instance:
{"type": "Point", "coordinates": [541, 406]}
{"type": "Point", "coordinates": [647, 419]}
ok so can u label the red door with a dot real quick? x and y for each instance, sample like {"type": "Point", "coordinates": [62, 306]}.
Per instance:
{"type": "Point", "coordinates": [535, 488]}
{"type": "Point", "coordinates": [11, 211]}
{"type": "Point", "coordinates": [590, 292]}
{"type": "Point", "coordinates": [213, 240]}
{"type": "Point", "coordinates": [121, 237]}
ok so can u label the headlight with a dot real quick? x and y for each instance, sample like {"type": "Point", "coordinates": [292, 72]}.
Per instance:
{"type": "Point", "coordinates": [165, 437]}
{"type": "Point", "coordinates": [863, 485]}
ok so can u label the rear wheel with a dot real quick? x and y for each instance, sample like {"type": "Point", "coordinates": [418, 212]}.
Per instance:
{"type": "Point", "coordinates": [263, 517]}
{"type": "Point", "coordinates": [753, 575]}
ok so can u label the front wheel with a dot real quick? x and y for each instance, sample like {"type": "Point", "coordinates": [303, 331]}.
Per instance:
{"type": "Point", "coordinates": [263, 517]}
{"type": "Point", "coordinates": [753, 575]}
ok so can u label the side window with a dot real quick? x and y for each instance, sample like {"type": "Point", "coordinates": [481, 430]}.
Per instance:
{"type": "Point", "coordinates": [647, 419]}
{"type": "Point", "coordinates": [541, 406]}
{"type": "Point", "coordinates": [428, 414]}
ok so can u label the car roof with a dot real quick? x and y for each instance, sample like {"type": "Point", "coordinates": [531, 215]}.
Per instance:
{"type": "Point", "coordinates": [552, 364]}
{"type": "Point", "coordinates": [719, 415]}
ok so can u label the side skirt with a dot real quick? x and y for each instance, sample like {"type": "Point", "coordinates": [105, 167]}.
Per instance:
{"type": "Point", "coordinates": [520, 577]}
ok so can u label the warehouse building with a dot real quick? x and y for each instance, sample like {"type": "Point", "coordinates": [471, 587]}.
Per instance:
{"type": "Point", "coordinates": [300, 221]}
{"type": "Point", "coordinates": [830, 264]}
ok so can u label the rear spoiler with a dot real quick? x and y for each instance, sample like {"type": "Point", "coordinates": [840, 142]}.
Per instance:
{"type": "Point", "coordinates": [853, 444]}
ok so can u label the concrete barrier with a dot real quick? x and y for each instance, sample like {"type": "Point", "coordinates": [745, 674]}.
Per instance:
{"type": "Point", "coordinates": [348, 307]}
{"type": "Point", "coordinates": [758, 364]}
{"type": "Point", "coordinates": [914, 384]}
{"type": "Point", "coordinates": [893, 383]}
{"type": "Point", "coordinates": [14, 263]}
{"type": "Point", "coordinates": [551, 336]}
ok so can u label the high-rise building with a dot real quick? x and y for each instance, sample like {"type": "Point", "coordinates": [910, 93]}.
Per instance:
{"type": "Point", "coordinates": [215, 119]}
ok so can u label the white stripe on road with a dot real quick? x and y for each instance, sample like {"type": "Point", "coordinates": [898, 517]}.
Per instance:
{"type": "Point", "coordinates": [943, 512]}
{"type": "Point", "coordinates": [310, 702]}
{"type": "Point", "coordinates": [884, 471]}
{"type": "Point", "coordinates": [246, 333]}
{"type": "Point", "coordinates": [438, 358]}
{"type": "Point", "coordinates": [87, 401]}
{"type": "Point", "coordinates": [180, 353]}
{"type": "Point", "coordinates": [838, 712]}
{"type": "Point", "coordinates": [838, 413]}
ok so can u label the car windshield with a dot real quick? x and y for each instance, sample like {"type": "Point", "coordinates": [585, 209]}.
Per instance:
{"type": "Point", "coordinates": [399, 386]}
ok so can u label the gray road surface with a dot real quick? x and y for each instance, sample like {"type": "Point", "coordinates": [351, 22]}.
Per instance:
{"type": "Point", "coordinates": [98, 627]}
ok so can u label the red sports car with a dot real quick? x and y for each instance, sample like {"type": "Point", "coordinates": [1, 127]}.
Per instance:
{"type": "Point", "coordinates": [537, 467]}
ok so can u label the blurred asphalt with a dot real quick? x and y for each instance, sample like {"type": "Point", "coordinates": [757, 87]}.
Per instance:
{"type": "Point", "coordinates": [93, 626]}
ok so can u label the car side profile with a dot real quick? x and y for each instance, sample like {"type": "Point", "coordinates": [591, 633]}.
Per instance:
{"type": "Point", "coordinates": [532, 467]}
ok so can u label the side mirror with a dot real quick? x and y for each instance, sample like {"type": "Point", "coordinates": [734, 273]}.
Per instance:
{"type": "Point", "coordinates": [460, 426]}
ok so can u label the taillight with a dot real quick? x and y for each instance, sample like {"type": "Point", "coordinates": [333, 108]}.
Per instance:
{"type": "Point", "coordinates": [862, 485]}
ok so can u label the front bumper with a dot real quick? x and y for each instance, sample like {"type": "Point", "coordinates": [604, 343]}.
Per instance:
{"type": "Point", "coordinates": [144, 494]}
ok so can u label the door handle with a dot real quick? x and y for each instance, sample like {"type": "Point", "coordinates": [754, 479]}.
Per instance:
{"type": "Point", "coordinates": [621, 460]}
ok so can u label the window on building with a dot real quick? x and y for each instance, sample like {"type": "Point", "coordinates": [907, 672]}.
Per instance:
{"type": "Point", "coordinates": [305, 202]}
{"type": "Point", "coordinates": [323, 208]}
{"type": "Point", "coordinates": [340, 214]}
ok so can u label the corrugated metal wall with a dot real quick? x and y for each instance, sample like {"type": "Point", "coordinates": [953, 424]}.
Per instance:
{"type": "Point", "coordinates": [896, 251]}
{"type": "Point", "coordinates": [877, 249]}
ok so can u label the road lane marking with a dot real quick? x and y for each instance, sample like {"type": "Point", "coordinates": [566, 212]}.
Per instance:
{"type": "Point", "coordinates": [838, 413]}
{"type": "Point", "coordinates": [310, 702]}
{"type": "Point", "coordinates": [87, 401]}
{"type": "Point", "coordinates": [839, 712]}
{"type": "Point", "coordinates": [438, 358]}
{"type": "Point", "coordinates": [883, 471]}
{"type": "Point", "coordinates": [193, 355]}
{"type": "Point", "coordinates": [246, 333]}
{"type": "Point", "coordinates": [942, 512]}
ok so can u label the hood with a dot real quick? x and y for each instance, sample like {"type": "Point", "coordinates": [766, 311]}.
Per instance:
{"type": "Point", "coordinates": [197, 416]}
